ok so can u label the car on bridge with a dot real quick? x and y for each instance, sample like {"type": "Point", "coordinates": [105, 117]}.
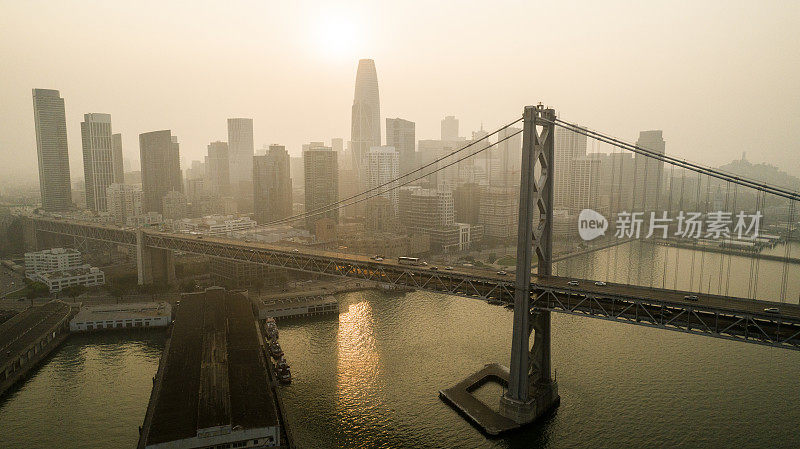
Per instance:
{"type": "Point", "coordinates": [691, 298]}
{"type": "Point", "coordinates": [573, 283]}
{"type": "Point", "coordinates": [502, 272]}
{"type": "Point", "coordinates": [600, 284]}
{"type": "Point", "coordinates": [774, 310]}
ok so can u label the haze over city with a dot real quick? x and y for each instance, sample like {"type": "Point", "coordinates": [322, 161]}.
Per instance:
{"type": "Point", "coordinates": [413, 224]}
{"type": "Point", "coordinates": [718, 77]}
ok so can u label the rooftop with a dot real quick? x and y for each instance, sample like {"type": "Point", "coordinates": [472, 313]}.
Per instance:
{"type": "Point", "coordinates": [215, 373]}
{"type": "Point", "coordinates": [123, 311]}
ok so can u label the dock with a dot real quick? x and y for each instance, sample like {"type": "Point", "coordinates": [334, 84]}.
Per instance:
{"type": "Point", "coordinates": [212, 388]}
{"type": "Point", "coordinates": [122, 316]}
{"type": "Point", "coordinates": [30, 336]}
{"type": "Point", "coordinates": [297, 306]}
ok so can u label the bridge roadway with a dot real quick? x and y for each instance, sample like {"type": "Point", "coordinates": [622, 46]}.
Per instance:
{"type": "Point", "coordinates": [713, 315]}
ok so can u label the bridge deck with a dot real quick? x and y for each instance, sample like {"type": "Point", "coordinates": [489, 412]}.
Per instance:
{"type": "Point", "coordinates": [713, 315]}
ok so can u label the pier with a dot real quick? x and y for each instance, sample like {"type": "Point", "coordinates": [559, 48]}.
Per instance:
{"type": "Point", "coordinates": [29, 337]}
{"type": "Point", "coordinates": [212, 388]}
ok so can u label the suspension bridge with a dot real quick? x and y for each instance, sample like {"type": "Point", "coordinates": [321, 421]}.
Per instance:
{"type": "Point", "coordinates": [725, 293]}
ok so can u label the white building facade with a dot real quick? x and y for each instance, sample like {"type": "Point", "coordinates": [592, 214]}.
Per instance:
{"type": "Point", "coordinates": [52, 259]}
{"type": "Point", "coordinates": [383, 167]}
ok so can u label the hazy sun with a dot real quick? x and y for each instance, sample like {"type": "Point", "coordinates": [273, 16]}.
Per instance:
{"type": "Point", "coordinates": [335, 36]}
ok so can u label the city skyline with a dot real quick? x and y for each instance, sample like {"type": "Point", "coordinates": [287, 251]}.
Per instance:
{"type": "Point", "coordinates": [406, 224]}
{"type": "Point", "coordinates": [622, 104]}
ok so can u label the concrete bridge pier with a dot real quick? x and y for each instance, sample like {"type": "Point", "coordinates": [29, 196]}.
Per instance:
{"type": "Point", "coordinates": [153, 264]}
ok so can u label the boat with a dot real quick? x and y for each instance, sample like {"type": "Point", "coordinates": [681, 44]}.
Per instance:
{"type": "Point", "coordinates": [271, 329]}
{"type": "Point", "coordinates": [281, 364]}
{"type": "Point", "coordinates": [275, 350]}
{"type": "Point", "coordinates": [284, 376]}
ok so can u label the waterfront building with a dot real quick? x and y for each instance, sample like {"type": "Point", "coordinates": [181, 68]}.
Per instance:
{"type": "Point", "coordinates": [122, 316]}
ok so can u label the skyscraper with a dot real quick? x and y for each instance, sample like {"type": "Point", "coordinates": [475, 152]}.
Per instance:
{"type": "Point", "coordinates": [321, 176]}
{"type": "Point", "coordinates": [124, 200]}
{"type": "Point", "coordinates": [217, 169]}
{"type": "Point", "coordinates": [510, 151]}
{"type": "Point", "coordinates": [450, 128]}
{"type": "Point", "coordinates": [649, 171]}
{"type": "Point", "coordinates": [272, 185]}
{"type": "Point", "coordinates": [51, 149]}
{"type": "Point", "coordinates": [401, 135]}
{"type": "Point", "coordinates": [337, 143]}
{"type": "Point", "coordinates": [161, 170]}
{"type": "Point", "coordinates": [98, 159]}
{"type": "Point", "coordinates": [366, 116]}
{"type": "Point", "coordinates": [241, 149]}
{"type": "Point", "coordinates": [585, 184]}
{"type": "Point", "coordinates": [383, 167]}
{"type": "Point", "coordinates": [116, 155]}
{"type": "Point", "coordinates": [568, 146]}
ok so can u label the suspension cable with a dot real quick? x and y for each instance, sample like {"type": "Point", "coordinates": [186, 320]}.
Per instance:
{"type": "Point", "coordinates": [716, 173]}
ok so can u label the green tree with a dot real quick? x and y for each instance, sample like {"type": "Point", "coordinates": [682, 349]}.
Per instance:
{"type": "Point", "coordinates": [73, 291]}
{"type": "Point", "coordinates": [36, 289]}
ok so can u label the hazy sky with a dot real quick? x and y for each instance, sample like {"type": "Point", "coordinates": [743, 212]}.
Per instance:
{"type": "Point", "coordinates": [719, 77]}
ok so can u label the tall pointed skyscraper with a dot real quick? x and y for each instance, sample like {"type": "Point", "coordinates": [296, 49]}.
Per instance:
{"type": "Point", "coordinates": [366, 118]}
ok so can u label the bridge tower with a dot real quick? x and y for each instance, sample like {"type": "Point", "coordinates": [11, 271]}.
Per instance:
{"type": "Point", "coordinates": [531, 389]}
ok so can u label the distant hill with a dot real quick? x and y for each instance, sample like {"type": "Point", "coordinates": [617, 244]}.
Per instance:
{"type": "Point", "coordinates": [762, 172]}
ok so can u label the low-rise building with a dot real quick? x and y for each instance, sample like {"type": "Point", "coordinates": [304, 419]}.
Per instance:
{"type": "Point", "coordinates": [58, 280]}
{"type": "Point", "coordinates": [214, 224]}
{"type": "Point", "coordinates": [148, 219]}
{"type": "Point", "coordinates": [119, 316]}
{"type": "Point", "coordinates": [52, 259]}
